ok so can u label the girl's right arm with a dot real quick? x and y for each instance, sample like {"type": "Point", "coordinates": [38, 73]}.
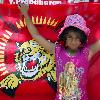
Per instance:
{"type": "Point", "coordinates": [49, 46]}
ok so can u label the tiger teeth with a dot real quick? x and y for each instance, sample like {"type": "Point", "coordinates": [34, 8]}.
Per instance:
{"type": "Point", "coordinates": [29, 73]}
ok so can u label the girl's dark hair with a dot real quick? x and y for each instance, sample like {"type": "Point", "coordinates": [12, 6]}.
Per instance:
{"type": "Point", "coordinates": [81, 34]}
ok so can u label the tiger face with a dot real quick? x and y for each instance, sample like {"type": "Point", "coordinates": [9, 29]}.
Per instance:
{"type": "Point", "coordinates": [33, 61]}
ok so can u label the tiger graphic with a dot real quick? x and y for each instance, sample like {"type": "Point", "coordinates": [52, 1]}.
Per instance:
{"type": "Point", "coordinates": [32, 62]}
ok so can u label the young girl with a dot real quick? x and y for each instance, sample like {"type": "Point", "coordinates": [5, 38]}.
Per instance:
{"type": "Point", "coordinates": [71, 58]}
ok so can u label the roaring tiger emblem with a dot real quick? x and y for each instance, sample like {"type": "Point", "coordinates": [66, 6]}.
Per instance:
{"type": "Point", "coordinates": [32, 62]}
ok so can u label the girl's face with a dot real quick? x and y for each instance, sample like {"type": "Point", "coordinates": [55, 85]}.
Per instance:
{"type": "Point", "coordinates": [73, 41]}
{"type": "Point", "coordinates": [70, 68]}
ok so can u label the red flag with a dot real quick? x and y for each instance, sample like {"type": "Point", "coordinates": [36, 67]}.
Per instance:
{"type": "Point", "coordinates": [15, 40]}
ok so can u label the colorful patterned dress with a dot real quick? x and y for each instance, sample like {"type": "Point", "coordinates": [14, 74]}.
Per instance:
{"type": "Point", "coordinates": [71, 73]}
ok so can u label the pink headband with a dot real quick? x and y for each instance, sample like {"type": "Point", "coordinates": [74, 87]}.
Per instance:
{"type": "Point", "coordinates": [76, 21]}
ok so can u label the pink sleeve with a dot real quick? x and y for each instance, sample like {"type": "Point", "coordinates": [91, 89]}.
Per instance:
{"type": "Point", "coordinates": [86, 50]}
{"type": "Point", "coordinates": [57, 49]}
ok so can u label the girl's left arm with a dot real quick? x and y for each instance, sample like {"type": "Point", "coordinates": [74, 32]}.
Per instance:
{"type": "Point", "coordinates": [94, 48]}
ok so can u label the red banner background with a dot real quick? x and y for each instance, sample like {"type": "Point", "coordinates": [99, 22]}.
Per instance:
{"type": "Point", "coordinates": [40, 89]}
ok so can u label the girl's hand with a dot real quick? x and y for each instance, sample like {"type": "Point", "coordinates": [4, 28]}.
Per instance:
{"type": "Point", "coordinates": [23, 8]}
